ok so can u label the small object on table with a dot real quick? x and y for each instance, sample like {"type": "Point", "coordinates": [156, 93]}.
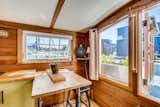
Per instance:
{"type": "Point", "coordinates": [56, 77]}
{"type": "Point", "coordinates": [54, 68]}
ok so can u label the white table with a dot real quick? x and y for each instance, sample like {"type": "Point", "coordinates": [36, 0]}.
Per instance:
{"type": "Point", "coordinates": [43, 86]}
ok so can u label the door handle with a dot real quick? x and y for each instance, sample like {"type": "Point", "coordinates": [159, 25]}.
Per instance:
{"type": "Point", "coordinates": [2, 95]}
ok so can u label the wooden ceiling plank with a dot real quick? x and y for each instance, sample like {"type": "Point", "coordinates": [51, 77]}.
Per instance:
{"type": "Point", "coordinates": [57, 12]}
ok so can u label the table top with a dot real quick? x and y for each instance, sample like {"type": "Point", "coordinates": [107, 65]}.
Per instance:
{"type": "Point", "coordinates": [43, 85]}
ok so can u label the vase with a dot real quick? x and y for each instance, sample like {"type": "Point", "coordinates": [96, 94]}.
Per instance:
{"type": "Point", "coordinates": [81, 51]}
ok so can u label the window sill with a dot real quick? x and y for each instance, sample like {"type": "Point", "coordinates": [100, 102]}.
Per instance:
{"type": "Point", "coordinates": [45, 61]}
{"type": "Point", "coordinates": [148, 99]}
{"type": "Point", "coordinates": [115, 83]}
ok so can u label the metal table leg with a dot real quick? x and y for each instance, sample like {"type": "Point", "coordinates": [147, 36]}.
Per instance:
{"type": "Point", "coordinates": [78, 102]}
{"type": "Point", "coordinates": [39, 102]}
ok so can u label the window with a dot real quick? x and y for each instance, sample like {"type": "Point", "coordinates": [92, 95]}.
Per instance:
{"type": "Point", "coordinates": [150, 54]}
{"type": "Point", "coordinates": [46, 47]}
{"type": "Point", "coordinates": [114, 51]}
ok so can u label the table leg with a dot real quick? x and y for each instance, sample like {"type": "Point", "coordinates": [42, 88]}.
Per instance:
{"type": "Point", "coordinates": [78, 103]}
{"type": "Point", "coordinates": [85, 70]}
{"type": "Point", "coordinates": [65, 99]}
{"type": "Point", "coordinates": [39, 102]}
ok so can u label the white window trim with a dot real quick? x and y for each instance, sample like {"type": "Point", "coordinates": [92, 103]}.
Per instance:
{"type": "Point", "coordinates": [47, 34]}
{"type": "Point", "coordinates": [21, 48]}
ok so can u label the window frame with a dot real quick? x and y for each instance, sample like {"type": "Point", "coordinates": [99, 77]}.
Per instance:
{"type": "Point", "coordinates": [139, 56]}
{"type": "Point", "coordinates": [113, 81]}
{"type": "Point", "coordinates": [22, 46]}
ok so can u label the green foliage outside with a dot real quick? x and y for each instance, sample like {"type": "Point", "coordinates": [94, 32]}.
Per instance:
{"type": "Point", "coordinates": [125, 61]}
{"type": "Point", "coordinates": [104, 58]}
{"type": "Point", "coordinates": [110, 59]}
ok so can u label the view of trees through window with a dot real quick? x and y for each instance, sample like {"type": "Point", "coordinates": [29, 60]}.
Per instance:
{"type": "Point", "coordinates": [150, 52]}
{"type": "Point", "coordinates": [114, 51]}
{"type": "Point", "coordinates": [47, 48]}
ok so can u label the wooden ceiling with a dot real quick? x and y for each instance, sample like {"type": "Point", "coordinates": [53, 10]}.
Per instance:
{"type": "Point", "coordinates": [69, 15]}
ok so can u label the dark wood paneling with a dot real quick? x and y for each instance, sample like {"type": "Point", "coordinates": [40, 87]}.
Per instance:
{"type": "Point", "coordinates": [83, 39]}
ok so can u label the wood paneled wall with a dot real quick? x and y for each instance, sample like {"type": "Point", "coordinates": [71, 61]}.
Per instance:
{"type": "Point", "coordinates": [8, 54]}
{"type": "Point", "coordinates": [8, 59]}
{"type": "Point", "coordinates": [8, 47]}
{"type": "Point", "coordinates": [81, 39]}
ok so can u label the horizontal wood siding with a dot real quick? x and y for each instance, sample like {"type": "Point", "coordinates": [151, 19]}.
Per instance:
{"type": "Point", "coordinates": [8, 54]}
{"type": "Point", "coordinates": [8, 47]}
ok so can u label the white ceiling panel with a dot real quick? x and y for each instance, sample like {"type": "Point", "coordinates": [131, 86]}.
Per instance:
{"type": "Point", "coordinates": [80, 14]}
{"type": "Point", "coordinates": [34, 12]}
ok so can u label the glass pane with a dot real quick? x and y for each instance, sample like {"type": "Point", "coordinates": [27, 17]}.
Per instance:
{"type": "Point", "coordinates": [44, 40]}
{"type": "Point", "coordinates": [64, 44]}
{"type": "Point", "coordinates": [150, 78]}
{"type": "Point", "coordinates": [64, 41]}
{"type": "Point", "coordinates": [114, 51]}
{"type": "Point", "coordinates": [31, 39]}
{"type": "Point", "coordinates": [44, 47]}
{"type": "Point", "coordinates": [55, 41]}
{"type": "Point", "coordinates": [31, 51]}
{"type": "Point", "coordinates": [47, 48]}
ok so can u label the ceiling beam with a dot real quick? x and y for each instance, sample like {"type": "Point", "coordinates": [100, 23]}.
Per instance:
{"type": "Point", "coordinates": [56, 13]}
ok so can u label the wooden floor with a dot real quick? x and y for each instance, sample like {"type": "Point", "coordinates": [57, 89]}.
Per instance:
{"type": "Point", "coordinates": [93, 104]}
